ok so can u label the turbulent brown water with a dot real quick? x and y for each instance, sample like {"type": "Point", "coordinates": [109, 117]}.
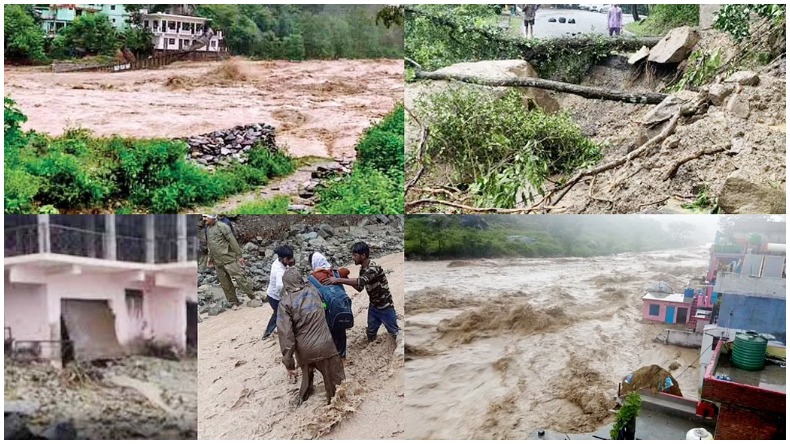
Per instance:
{"type": "Point", "coordinates": [498, 348]}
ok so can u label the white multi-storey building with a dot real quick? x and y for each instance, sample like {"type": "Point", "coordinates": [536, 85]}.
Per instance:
{"type": "Point", "coordinates": [180, 32]}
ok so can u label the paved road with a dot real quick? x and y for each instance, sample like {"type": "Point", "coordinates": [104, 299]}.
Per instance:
{"type": "Point", "coordinates": [586, 22]}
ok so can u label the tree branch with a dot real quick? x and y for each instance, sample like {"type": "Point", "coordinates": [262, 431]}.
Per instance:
{"type": "Point", "coordinates": [588, 92]}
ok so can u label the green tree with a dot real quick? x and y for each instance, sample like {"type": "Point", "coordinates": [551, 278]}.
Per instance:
{"type": "Point", "coordinates": [138, 40]}
{"type": "Point", "coordinates": [23, 39]}
{"type": "Point", "coordinates": [92, 34]}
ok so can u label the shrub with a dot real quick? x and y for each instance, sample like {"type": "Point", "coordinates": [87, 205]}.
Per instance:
{"type": "Point", "coordinates": [66, 183]}
{"type": "Point", "coordinates": [364, 191]}
{"type": "Point", "coordinates": [20, 189]}
{"type": "Point", "coordinates": [499, 146]}
{"type": "Point", "coordinates": [274, 164]}
{"type": "Point", "coordinates": [275, 205]}
{"type": "Point", "coordinates": [381, 147]}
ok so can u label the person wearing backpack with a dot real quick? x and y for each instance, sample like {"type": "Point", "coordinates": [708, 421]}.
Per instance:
{"type": "Point", "coordinates": [339, 315]}
{"type": "Point", "coordinates": [372, 279]}
{"type": "Point", "coordinates": [285, 258]}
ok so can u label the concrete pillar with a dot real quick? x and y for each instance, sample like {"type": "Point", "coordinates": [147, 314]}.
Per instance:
{"type": "Point", "coordinates": [707, 15]}
{"type": "Point", "coordinates": [110, 246]}
{"type": "Point", "coordinates": [44, 245]}
{"type": "Point", "coordinates": [150, 243]}
{"type": "Point", "coordinates": [181, 236]}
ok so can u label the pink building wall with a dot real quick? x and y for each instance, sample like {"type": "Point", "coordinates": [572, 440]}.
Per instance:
{"type": "Point", "coordinates": [23, 311]}
{"type": "Point", "coordinates": [166, 310]}
{"type": "Point", "coordinates": [33, 295]}
{"type": "Point", "coordinates": [662, 310]}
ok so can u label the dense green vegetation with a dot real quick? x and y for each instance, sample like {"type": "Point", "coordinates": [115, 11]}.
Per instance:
{"type": "Point", "coordinates": [300, 32]}
{"type": "Point", "coordinates": [23, 39]}
{"type": "Point", "coordinates": [441, 35]}
{"type": "Point", "coordinates": [499, 147]}
{"type": "Point", "coordinates": [662, 18]}
{"type": "Point", "coordinates": [80, 172]}
{"type": "Point", "coordinates": [87, 35]}
{"type": "Point", "coordinates": [375, 185]}
{"type": "Point", "coordinates": [736, 20]}
{"type": "Point", "coordinates": [295, 32]}
{"type": "Point", "coordinates": [449, 237]}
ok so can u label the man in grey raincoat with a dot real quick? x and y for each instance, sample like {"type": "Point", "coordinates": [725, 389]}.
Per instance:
{"type": "Point", "coordinates": [304, 335]}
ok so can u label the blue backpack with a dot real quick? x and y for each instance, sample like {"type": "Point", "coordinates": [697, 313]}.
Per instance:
{"type": "Point", "coordinates": [338, 304]}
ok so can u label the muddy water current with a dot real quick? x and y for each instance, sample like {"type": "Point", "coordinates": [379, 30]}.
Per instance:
{"type": "Point", "coordinates": [497, 348]}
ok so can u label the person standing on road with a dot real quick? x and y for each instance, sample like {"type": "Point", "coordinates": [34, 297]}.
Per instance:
{"type": "Point", "coordinates": [615, 20]}
{"type": "Point", "coordinates": [373, 279]}
{"type": "Point", "coordinates": [529, 20]}
{"type": "Point", "coordinates": [304, 335]}
{"type": "Point", "coordinates": [225, 255]}
{"type": "Point", "coordinates": [285, 258]}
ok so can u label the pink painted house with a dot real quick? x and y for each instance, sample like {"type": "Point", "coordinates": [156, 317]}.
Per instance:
{"type": "Point", "coordinates": [665, 308]}
{"type": "Point", "coordinates": [98, 286]}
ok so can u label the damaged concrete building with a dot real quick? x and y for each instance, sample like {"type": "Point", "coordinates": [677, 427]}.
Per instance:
{"type": "Point", "coordinates": [90, 287]}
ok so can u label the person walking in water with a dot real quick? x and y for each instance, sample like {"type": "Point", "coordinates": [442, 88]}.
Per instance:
{"type": "Point", "coordinates": [305, 339]}
{"type": "Point", "coordinates": [285, 259]}
{"type": "Point", "coordinates": [615, 20]}
{"type": "Point", "coordinates": [529, 20]}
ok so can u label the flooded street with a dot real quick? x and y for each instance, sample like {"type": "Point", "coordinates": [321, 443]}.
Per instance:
{"type": "Point", "coordinates": [497, 348]}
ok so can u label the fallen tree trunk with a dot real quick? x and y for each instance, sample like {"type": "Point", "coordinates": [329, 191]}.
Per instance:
{"type": "Point", "coordinates": [588, 92]}
{"type": "Point", "coordinates": [538, 48]}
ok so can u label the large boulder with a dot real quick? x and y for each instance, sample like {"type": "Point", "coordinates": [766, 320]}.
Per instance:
{"type": "Point", "coordinates": [746, 78]}
{"type": "Point", "coordinates": [718, 93]}
{"type": "Point", "coordinates": [505, 70]}
{"type": "Point", "coordinates": [738, 106]}
{"type": "Point", "coordinates": [743, 194]}
{"type": "Point", "coordinates": [639, 55]}
{"type": "Point", "coordinates": [675, 47]}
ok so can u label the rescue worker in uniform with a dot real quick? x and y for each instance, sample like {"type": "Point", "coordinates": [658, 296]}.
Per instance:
{"type": "Point", "coordinates": [225, 255]}
{"type": "Point", "coordinates": [305, 339]}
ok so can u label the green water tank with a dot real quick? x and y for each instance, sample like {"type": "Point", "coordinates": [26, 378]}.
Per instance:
{"type": "Point", "coordinates": [748, 352]}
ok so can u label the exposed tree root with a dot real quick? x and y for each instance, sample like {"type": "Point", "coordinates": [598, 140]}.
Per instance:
{"type": "Point", "coordinates": [670, 173]}
{"type": "Point", "coordinates": [666, 132]}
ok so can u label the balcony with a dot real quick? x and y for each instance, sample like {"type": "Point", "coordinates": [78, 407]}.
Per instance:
{"type": "Point", "coordinates": [145, 239]}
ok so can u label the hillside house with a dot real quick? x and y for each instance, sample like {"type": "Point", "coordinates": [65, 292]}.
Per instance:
{"type": "Point", "coordinates": [56, 17]}
{"type": "Point", "coordinates": [180, 32]}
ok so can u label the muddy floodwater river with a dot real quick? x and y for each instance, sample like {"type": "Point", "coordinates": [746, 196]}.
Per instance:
{"type": "Point", "coordinates": [497, 348]}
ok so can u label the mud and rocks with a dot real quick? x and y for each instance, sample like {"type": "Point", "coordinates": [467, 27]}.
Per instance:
{"type": "Point", "coordinates": [136, 397]}
{"type": "Point", "coordinates": [259, 236]}
{"type": "Point", "coordinates": [653, 378]}
{"type": "Point", "coordinates": [218, 147]}
{"type": "Point", "coordinates": [727, 151]}
{"type": "Point", "coordinates": [557, 372]}
{"type": "Point", "coordinates": [244, 392]}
